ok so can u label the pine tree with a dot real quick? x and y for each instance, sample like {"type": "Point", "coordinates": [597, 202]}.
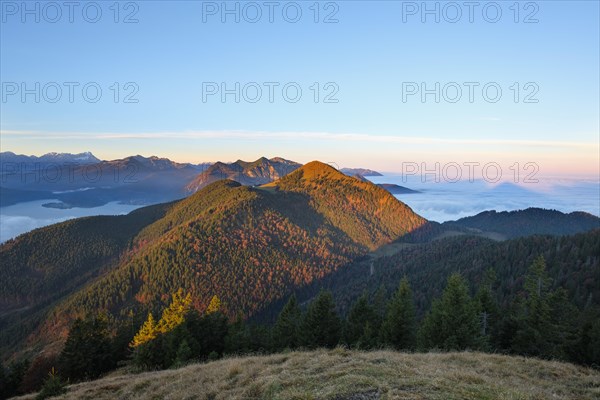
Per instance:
{"type": "Point", "coordinates": [321, 325]}
{"type": "Point", "coordinates": [380, 300]}
{"type": "Point", "coordinates": [534, 329]}
{"type": "Point", "coordinates": [452, 323]}
{"type": "Point", "coordinates": [545, 319]}
{"type": "Point", "coordinates": [184, 353]}
{"type": "Point", "coordinates": [361, 325]}
{"type": "Point", "coordinates": [586, 349]}
{"type": "Point", "coordinates": [210, 330]}
{"type": "Point", "coordinates": [87, 351]}
{"type": "Point", "coordinates": [563, 319]}
{"type": "Point", "coordinates": [147, 332]}
{"type": "Point", "coordinates": [14, 375]}
{"type": "Point", "coordinates": [237, 341]}
{"type": "Point", "coordinates": [150, 355]}
{"type": "Point", "coordinates": [259, 338]}
{"type": "Point", "coordinates": [487, 308]}
{"type": "Point", "coordinates": [172, 342]}
{"type": "Point", "coordinates": [286, 332]}
{"type": "Point", "coordinates": [53, 386]}
{"type": "Point", "coordinates": [399, 327]}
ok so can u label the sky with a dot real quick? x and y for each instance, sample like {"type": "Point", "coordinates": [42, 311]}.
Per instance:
{"type": "Point", "coordinates": [378, 84]}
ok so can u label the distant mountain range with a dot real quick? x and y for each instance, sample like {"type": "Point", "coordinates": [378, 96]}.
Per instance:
{"type": "Point", "coordinates": [134, 180]}
{"type": "Point", "coordinates": [57, 158]}
{"type": "Point", "coordinates": [254, 173]}
{"type": "Point", "coordinates": [82, 180]}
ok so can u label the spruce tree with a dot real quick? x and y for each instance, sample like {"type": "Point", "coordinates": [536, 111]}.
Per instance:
{"type": "Point", "coordinates": [487, 309]}
{"type": "Point", "coordinates": [236, 341]}
{"type": "Point", "coordinates": [87, 351]}
{"type": "Point", "coordinates": [184, 354]}
{"type": "Point", "coordinates": [14, 375]}
{"type": "Point", "coordinates": [452, 322]}
{"type": "Point", "coordinates": [380, 300]}
{"type": "Point", "coordinates": [534, 329]}
{"type": "Point", "coordinates": [399, 327]}
{"type": "Point", "coordinates": [210, 330]}
{"type": "Point", "coordinates": [150, 355]}
{"type": "Point", "coordinates": [286, 332]}
{"type": "Point", "coordinates": [321, 325]}
{"type": "Point", "coordinates": [563, 319]}
{"type": "Point", "coordinates": [586, 348]}
{"type": "Point", "coordinates": [53, 386]}
{"type": "Point", "coordinates": [361, 325]}
{"type": "Point", "coordinates": [172, 345]}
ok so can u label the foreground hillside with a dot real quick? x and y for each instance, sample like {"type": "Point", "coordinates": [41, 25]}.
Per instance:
{"type": "Point", "coordinates": [351, 375]}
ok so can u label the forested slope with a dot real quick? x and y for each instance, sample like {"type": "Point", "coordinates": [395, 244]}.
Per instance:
{"type": "Point", "coordinates": [573, 263]}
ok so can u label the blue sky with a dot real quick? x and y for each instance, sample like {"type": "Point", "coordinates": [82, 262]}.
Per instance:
{"type": "Point", "coordinates": [367, 58]}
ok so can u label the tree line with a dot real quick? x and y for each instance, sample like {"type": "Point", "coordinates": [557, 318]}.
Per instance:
{"type": "Point", "coordinates": [540, 322]}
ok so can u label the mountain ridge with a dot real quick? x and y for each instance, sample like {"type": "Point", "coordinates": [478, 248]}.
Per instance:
{"type": "Point", "coordinates": [52, 157]}
{"type": "Point", "coordinates": [250, 173]}
{"type": "Point", "coordinates": [512, 224]}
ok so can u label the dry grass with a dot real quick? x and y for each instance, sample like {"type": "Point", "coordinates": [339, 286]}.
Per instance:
{"type": "Point", "coordinates": [350, 375]}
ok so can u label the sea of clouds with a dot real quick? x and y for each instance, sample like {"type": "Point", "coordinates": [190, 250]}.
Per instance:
{"type": "Point", "coordinates": [437, 201]}
{"type": "Point", "coordinates": [446, 201]}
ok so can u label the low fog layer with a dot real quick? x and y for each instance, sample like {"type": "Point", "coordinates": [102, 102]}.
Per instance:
{"type": "Point", "coordinates": [437, 202]}
{"type": "Point", "coordinates": [24, 217]}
